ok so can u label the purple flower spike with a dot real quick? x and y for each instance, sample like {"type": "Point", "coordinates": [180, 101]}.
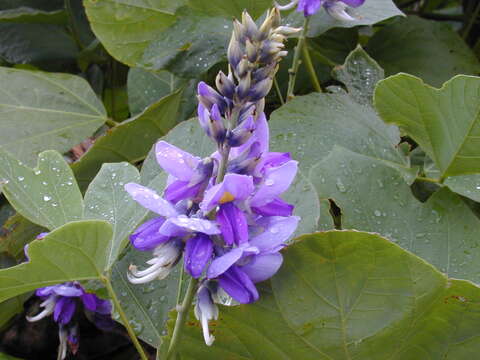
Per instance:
{"type": "Point", "coordinates": [234, 187]}
{"type": "Point", "coordinates": [198, 253]}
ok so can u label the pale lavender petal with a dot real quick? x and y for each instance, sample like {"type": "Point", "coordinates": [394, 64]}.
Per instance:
{"type": "Point", "coordinates": [68, 290]}
{"type": "Point", "coordinates": [224, 262]}
{"type": "Point", "coordinates": [277, 231]}
{"type": "Point", "coordinates": [277, 181]}
{"type": "Point", "coordinates": [198, 253]}
{"type": "Point", "coordinates": [196, 225]}
{"type": "Point", "coordinates": [169, 228]}
{"type": "Point", "coordinates": [175, 161]}
{"type": "Point", "coordinates": [233, 224]}
{"type": "Point", "coordinates": [353, 3]}
{"type": "Point", "coordinates": [181, 190]}
{"type": "Point", "coordinates": [234, 187]}
{"type": "Point", "coordinates": [262, 267]}
{"type": "Point", "coordinates": [150, 200]}
{"type": "Point", "coordinates": [260, 135]}
{"type": "Point", "coordinates": [277, 207]}
{"type": "Point", "coordinates": [46, 291]}
{"type": "Point", "coordinates": [64, 310]}
{"type": "Point", "coordinates": [238, 285]}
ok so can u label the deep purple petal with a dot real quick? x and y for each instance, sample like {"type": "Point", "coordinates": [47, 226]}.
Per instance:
{"type": "Point", "coordinates": [175, 161]}
{"type": "Point", "coordinates": [147, 235]}
{"type": "Point", "coordinates": [262, 267]}
{"type": "Point", "coordinates": [150, 200]}
{"type": "Point", "coordinates": [260, 135]}
{"type": "Point", "coordinates": [233, 224]}
{"type": "Point", "coordinates": [277, 181]}
{"type": "Point", "coordinates": [104, 307]}
{"type": "Point", "coordinates": [198, 253]}
{"type": "Point", "coordinates": [64, 310]}
{"type": "Point", "coordinates": [238, 285]}
{"type": "Point", "coordinates": [353, 3]}
{"type": "Point", "coordinates": [233, 187]}
{"type": "Point", "coordinates": [276, 232]}
{"type": "Point", "coordinates": [89, 301]}
{"type": "Point", "coordinates": [181, 190]}
{"type": "Point", "coordinates": [41, 235]}
{"type": "Point", "coordinates": [195, 225]}
{"type": "Point", "coordinates": [309, 7]}
{"type": "Point", "coordinates": [277, 207]}
{"type": "Point", "coordinates": [224, 262]}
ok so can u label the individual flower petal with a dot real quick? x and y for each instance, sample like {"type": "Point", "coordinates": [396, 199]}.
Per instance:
{"type": "Point", "coordinates": [69, 290]}
{"type": "Point", "coordinates": [238, 285]}
{"type": "Point", "coordinates": [233, 224]}
{"type": "Point", "coordinates": [277, 181]}
{"type": "Point", "coordinates": [89, 301]}
{"type": "Point", "coordinates": [195, 225]}
{"type": "Point", "coordinates": [64, 310]}
{"type": "Point", "coordinates": [181, 190]}
{"type": "Point", "coordinates": [353, 3]}
{"type": "Point", "coordinates": [276, 232]}
{"type": "Point", "coordinates": [277, 207]}
{"type": "Point", "coordinates": [337, 10]}
{"type": "Point", "coordinates": [233, 187]}
{"type": "Point", "coordinates": [309, 7]}
{"type": "Point", "coordinates": [175, 161]}
{"type": "Point", "coordinates": [147, 235]}
{"type": "Point", "coordinates": [222, 263]}
{"type": "Point", "coordinates": [198, 253]}
{"type": "Point", "coordinates": [262, 267]}
{"type": "Point", "coordinates": [260, 135]}
{"type": "Point", "coordinates": [205, 310]}
{"type": "Point", "coordinates": [150, 200]}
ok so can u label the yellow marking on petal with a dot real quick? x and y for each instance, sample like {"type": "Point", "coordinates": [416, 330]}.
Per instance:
{"type": "Point", "coordinates": [226, 197]}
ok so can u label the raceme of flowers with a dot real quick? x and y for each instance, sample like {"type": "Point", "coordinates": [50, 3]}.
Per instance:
{"type": "Point", "coordinates": [62, 301]}
{"type": "Point", "coordinates": [224, 213]}
{"type": "Point", "coordinates": [335, 8]}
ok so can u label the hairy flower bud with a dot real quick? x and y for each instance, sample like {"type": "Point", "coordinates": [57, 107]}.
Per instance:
{"type": "Point", "coordinates": [251, 28]}
{"type": "Point", "coordinates": [260, 90]}
{"type": "Point", "coordinates": [234, 52]}
{"type": "Point", "coordinates": [208, 97]}
{"type": "Point", "coordinates": [225, 85]}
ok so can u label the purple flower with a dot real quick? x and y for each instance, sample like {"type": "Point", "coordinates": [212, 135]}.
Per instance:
{"type": "Point", "coordinates": [336, 8]}
{"type": "Point", "coordinates": [205, 310]}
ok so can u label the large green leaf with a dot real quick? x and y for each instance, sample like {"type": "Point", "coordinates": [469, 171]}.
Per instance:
{"type": "Point", "coordinates": [372, 12]}
{"type": "Point", "coordinates": [42, 111]}
{"type": "Point", "coordinates": [428, 49]}
{"type": "Point", "coordinates": [131, 140]}
{"type": "Point", "coordinates": [47, 195]}
{"type": "Point", "coordinates": [193, 44]}
{"type": "Point", "coordinates": [146, 88]}
{"type": "Point", "coordinates": [31, 15]}
{"type": "Point", "coordinates": [309, 126]}
{"type": "Point", "coordinates": [360, 74]}
{"type": "Point", "coordinates": [231, 8]}
{"type": "Point", "coordinates": [106, 199]}
{"type": "Point", "coordinates": [373, 197]}
{"type": "Point", "coordinates": [127, 27]}
{"type": "Point", "coordinates": [348, 295]}
{"type": "Point", "coordinates": [444, 122]}
{"type": "Point", "coordinates": [466, 185]}
{"type": "Point", "coordinates": [75, 251]}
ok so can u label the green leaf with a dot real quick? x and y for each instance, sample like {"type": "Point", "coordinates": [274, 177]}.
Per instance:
{"type": "Point", "coordinates": [106, 199]}
{"type": "Point", "coordinates": [145, 88]}
{"type": "Point", "coordinates": [231, 8]}
{"type": "Point", "coordinates": [32, 15]}
{"type": "Point", "coordinates": [16, 233]}
{"type": "Point", "coordinates": [7, 357]}
{"type": "Point", "coordinates": [47, 195]}
{"type": "Point", "coordinates": [373, 197]}
{"type": "Point", "coordinates": [444, 122]}
{"type": "Point", "coordinates": [75, 251]}
{"type": "Point", "coordinates": [466, 185]}
{"type": "Point", "coordinates": [309, 126]}
{"type": "Point", "coordinates": [326, 220]}
{"type": "Point", "coordinates": [64, 108]}
{"type": "Point", "coordinates": [127, 27]}
{"type": "Point", "coordinates": [372, 12]}
{"type": "Point", "coordinates": [347, 295]}
{"type": "Point", "coordinates": [430, 50]}
{"type": "Point", "coordinates": [360, 74]}
{"type": "Point", "coordinates": [191, 46]}
{"type": "Point", "coordinates": [131, 140]}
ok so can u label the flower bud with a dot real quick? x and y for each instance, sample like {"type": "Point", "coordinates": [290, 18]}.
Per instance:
{"type": "Point", "coordinates": [216, 126]}
{"type": "Point", "coordinates": [241, 133]}
{"type": "Point", "coordinates": [234, 52]}
{"type": "Point", "coordinates": [225, 85]}
{"type": "Point", "coordinates": [286, 30]}
{"type": "Point", "coordinates": [239, 31]}
{"type": "Point", "coordinates": [243, 87]}
{"type": "Point", "coordinates": [251, 28]}
{"type": "Point", "coordinates": [242, 68]}
{"type": "Point", "coordinates": [251, 51]}
{"type": "Point", "coordinates": [208, 96]}
{"type": "Point", "coordinates": [260, 90]}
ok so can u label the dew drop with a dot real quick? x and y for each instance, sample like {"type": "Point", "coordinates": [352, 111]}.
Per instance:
{"type": "Point", "coordinates": [46, 198]}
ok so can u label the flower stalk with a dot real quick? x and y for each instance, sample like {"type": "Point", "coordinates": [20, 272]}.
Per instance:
{"type": "Point", "coordinates": [293, 71]}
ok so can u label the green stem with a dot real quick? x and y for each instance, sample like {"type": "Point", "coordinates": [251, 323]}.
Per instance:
{"type": "Point", "coordinates": [426, 179]}
{"type": "Point", "coordinates": [180, 282]}
{"type": "Point", "coordinates": [123, 316]}
{"type": "Point", "coordinates": [181, 317]}
{"type": "Point", "coordinates": [471, 21]}
{"type": "Point", "coordinates": [111, 123]}
{"type": "Point", "coordinates": [310, 68]}
{"type": "Point", "coordinates": [73, 25]}
{"type": "Point", "coordinates": [296, 60]}
{"type": "Point", "coordinates": [279, 92]}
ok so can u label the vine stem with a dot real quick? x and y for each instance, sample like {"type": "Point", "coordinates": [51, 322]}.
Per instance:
{"type": "Point", "coordinates": [471, 22]}
{"type": "Point", "coordinates": [182, 312]}
{"type": "Point", "coordinates": [124, 318]}
{"type": "Point", "coordinates": [296, 60]}
{"type": "Point", "coordinates": [430, 180]}
{"type": "Point", "coordinates": [310, 68]}
{"type": "Point", "coordinates": [279, 92]}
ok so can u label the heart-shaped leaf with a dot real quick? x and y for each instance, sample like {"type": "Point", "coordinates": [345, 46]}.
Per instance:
{"type": "Point", "coordinates": [75, 251]}
{"type": "Point", "coordinates": [444, 122]}
{"type": "Point", "coordinates": [64, 108]}
{"type": "Point", "coordinates": [47, 195]}
{"type": "Point", "coordinates": [347, 295]}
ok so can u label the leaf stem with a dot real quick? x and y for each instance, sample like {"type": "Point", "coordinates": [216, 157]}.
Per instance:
{"type": "Point", "coordinates": [182, 311]}
{"type": "Point", "coordinates": [427, 179]}
{"type": "Point", "coordinates": [124, 318]}
{"type": "Point", "coordinates": [277, 89]}
{"type": "Point", "coordinates": [296, 60]}
{"type": "Point", "coordinates": [111, 122]}
{"type": "Point", "coordinates": [471, 22]}
{"type": "Point", "coordinates": [310, 68]}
